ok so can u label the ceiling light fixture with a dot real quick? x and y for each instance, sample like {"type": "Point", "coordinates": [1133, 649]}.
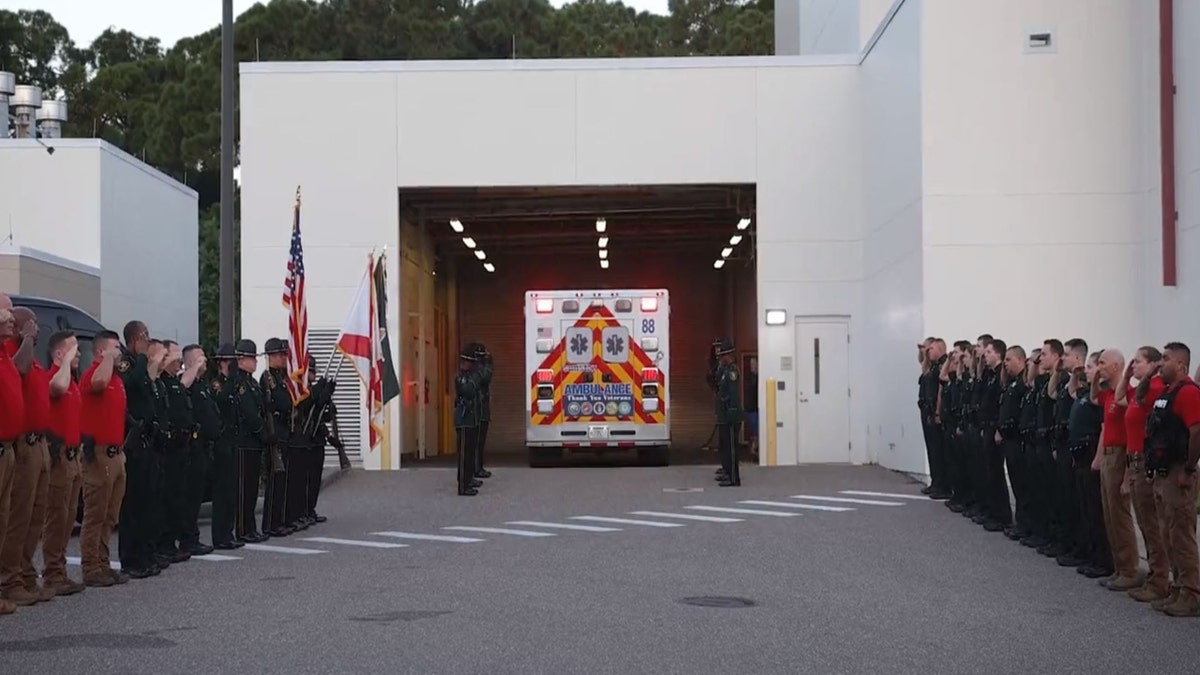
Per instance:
{"type": "Point", "coordinates": [469, 242]}
{"type": "Point", "coordinates": [601, 225]}
{"type": "Point", "coordinates": [719, 264]}
{"type": "Point", "coordinates": [480, 254]}
{"type": "Point", "coordinates": [725, 252]}
{"type": "Point", "coordinates": [735, 240]}
{"type": "Point", "coordinates": [603, 254]}
{"type": "Point", "coordinates": [489, 267]}
{"type": "Point", "coordinates": [456, 225]}
{"type": "Point", "coordinates": [603, 264]}
{"type": "Point", "coordinates": [743, 223]}
{"type": "Point", "coordinates": [603, 242]}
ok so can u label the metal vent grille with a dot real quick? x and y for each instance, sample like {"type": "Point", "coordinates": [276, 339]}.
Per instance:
{"type": "Point", "coordinates": [348, 397]}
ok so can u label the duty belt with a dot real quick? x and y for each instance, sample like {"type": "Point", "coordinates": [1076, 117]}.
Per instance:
{"type": "Point", "coordinates": [72, 452]}
{"type": "Point", "coordinates": [112, 450]}
{"type": "Point", "coordinates": [31, 439]}
{"type": "Point", "coordinates": [5, 446]}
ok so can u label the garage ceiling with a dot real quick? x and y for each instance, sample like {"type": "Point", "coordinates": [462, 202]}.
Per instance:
{"type": "Point", "coordinates": [554, 220]}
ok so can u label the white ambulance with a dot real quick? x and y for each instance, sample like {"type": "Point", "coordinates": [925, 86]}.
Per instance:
{"type": "Point", "coordinates": [598, 365]}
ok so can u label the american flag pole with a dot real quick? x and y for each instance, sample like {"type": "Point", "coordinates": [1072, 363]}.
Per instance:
{"type": "Point", "coordinates": [295, 301]}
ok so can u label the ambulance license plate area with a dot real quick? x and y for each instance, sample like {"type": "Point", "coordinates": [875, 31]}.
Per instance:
{"type": "Point", "coordinates": [598, 432]}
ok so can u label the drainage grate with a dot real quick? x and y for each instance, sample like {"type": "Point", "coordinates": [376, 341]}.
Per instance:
{"type": "Point", "coordinates": [721, 602]}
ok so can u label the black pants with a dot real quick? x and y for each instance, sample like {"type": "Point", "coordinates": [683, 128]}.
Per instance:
{"type": "Point", "coordinates": [316, 467]}
{"type": "Point", "coordinates": [1015, 466]}
{"type": "Point", "coordinates": [225, 471]}
{"type": "Point", "coordinates": [935, 452]}
{"type": "Point", "coordinates": [199, 469]}
{"type": "Point", "coordinates": [973, 466]}
{"type": "Point", "coordinates": [1091, 513]}
{"type": "Point", "coordinates": [999, 508]}
{"type": "Point", "coordinates": [466, 440]}
{"type": "Point", "coordinates": [952, 450]}
{"type": "Point", "coordinates": [275, 495]}
{"type": "Point", "coordinates": [727, 449]}
{"type": "Point", "coordinates": [135, 543]}
{"type": "Point", "coordinates": [176, 497]}
{"type": "Point", "coordinates": [479, 448]}
{"type": "Point", "coordinates": [1066, 500]}
{"type": "Point", "coordinates": [249, 470]}
{"type": "Point", "coordinates": [299, 464]}
{"type": "Point", "coordinates": [1040, 468]}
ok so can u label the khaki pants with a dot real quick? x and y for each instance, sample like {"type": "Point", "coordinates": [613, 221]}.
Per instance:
{"type": "Point", "coordinates": [7, 460]}
{"type": "Point", "coordinates": [1118, 519]}
{"type": "Point", "coordinates": [103, 490]}
{"type": "Point", "coordinates": [1153, 534]}
{"type": "Point", "coordinates": [1177, 515]}
{"type": "Point", "coordinates": [26, 514]}
{"type": "Point", "coordinates": [61, 502]}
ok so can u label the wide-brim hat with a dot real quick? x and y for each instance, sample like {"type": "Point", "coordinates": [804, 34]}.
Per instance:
{"type": "Point", "coordinates": [276, 346]}
{"type": "Point", "coordinates": [225, 352]}
{"type": "Point", "coordinates": [245, 348]}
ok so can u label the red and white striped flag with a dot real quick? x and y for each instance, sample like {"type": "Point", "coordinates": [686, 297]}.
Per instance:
{"type": "Point", "coordinates": [360, 344]}
{"type": "Point", "coordinates": [295, 302]}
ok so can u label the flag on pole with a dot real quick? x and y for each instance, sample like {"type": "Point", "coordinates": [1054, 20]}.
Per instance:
{"type": "Point", "coordinates": [389, 383]}
{"type": "Point", "coordinates": [359, 343]}
{"type": "Point", "coordinates": [296, 304]}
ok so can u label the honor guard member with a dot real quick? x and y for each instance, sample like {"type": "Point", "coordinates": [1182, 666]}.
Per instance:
{"type": "Point", "coordinates": [226, 465]}
{"type": "Point", "coordinates": [207, 421]}
{"type": "Point", "coordinates": [326, 434]}
{"type": "Point", "coordinates": [278, 405]}
{"type": "Point", "coordinates": [62, 498]}
{"type": "Point", "coordinates": [164, 553]}
{"type": "Point", "coordinates": [299, 460]}
{"type": "Point", "coordinates": [133, 368]}
{"type": "Point", "coordinates": [1172, 450]}
{"type": "Point", "coordinates": [729, 413]}
{"type": "Point", "coordinates": [485, 407]}
{"type": "Point", "coordinates": [180, 435]}
{"type": "Point", "coordinates": [252, 436]}
{"type": "Point", "coordinates": [466, 419]}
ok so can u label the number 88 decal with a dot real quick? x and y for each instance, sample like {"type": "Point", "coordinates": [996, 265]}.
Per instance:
{"type": "Point", "coordinates": [647, 325]}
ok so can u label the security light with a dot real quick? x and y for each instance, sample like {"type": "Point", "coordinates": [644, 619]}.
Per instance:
{"type": "Point", "coordinates": [456, 225]}
{"type": "Point", "coordinates": [725, 252]}
{"type": "Point", "coordinates": [601, 225]}
{"type": "Point", "coordinates": [603, 242]}
{"type": "Point", "coordinates": [735, 240]}
{"type": "Point", "coordinates": [603, 264]}
{"type": "Point", "coordinates": [603, 254]}
{"type": "Point", "coordinates": [776, 317]}
{"type": "Point", "coordinates": [719, 263]}
{"type": "Point", "coordinates": [480, 254]}
{"type": "Point", "coordinates": [469, 242]}
{"type": "Point", "coordinates": [743, 223]}
{"type": "Point", "coordinates": [489, 267]}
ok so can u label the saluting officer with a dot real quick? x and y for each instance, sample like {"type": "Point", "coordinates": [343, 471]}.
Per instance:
{"type": "Point", "coordinates": [466, 419]}
{"type": "Point", "coordinates": [278, 404]}
{"type": "Point", "coordinates": [133, 368]}
{"type": "Point", "coordinates": [164, 553]}
{"type": "Point", "coordinates": [729, 414]}
{"type": "Point", "coordinates": [485, 406]}
{"type": "Point", "coordinates": [226, 467]}
{"type": "Point", "coordinates": [251, 438]}
{"type": "Point", "coordinates": [179, 433]}
{"type": "Point", "coordinates": [208, 429]}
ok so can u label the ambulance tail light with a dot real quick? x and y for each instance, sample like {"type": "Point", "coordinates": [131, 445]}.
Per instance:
{"type": "Point", "coordinates": [649, 304]}
{"type": "Point", "coordinates": [650, 398]}
{"type": "Point", "coordinates": [545, 391]}
{"type": "Point", "coordinates": [650, 375]}
{"type": "Point", "coordinates": [545, 305]}
{"type": "Point", "coordinates": [544, 376]}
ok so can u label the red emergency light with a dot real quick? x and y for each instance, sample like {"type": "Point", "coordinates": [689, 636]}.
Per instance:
{"type": "Point", "coordinates": [545, 305]}
{"type": "Point", "coordinates": [650, 375]}
{"type": "Point", "coordinates": [649, 304]}
{"type": "Point", "coordinates": [545, 376]}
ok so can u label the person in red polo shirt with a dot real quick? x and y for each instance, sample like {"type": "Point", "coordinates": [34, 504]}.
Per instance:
{"type": "Point", "coordinates": [102, 433]}
{"type": "Point", "coordinates": [63, 496]}
{"type": "Point", "coordinates": [1110, 462]}
{"type": "Point", "coordinates": [1138, 402]}
{"type": "Point", "coordinates": [27, 506]}
{"type": "Point", "coordinates": [12, 421]}
{"type": "Point", "coordinates": [1176, 486]}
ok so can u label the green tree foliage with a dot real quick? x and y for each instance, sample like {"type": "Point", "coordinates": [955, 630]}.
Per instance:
{"type": "Point", "coordinates": [163, 104]}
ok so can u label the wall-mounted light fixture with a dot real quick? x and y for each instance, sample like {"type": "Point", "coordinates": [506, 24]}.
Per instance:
{"type": "Point", "coordinates": [776, 317]}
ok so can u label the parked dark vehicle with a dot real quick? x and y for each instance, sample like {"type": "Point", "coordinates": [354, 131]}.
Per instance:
{"type": "Point", "coordinates": [53, 316]}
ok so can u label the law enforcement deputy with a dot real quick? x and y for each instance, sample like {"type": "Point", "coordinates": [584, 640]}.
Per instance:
{"type": "Point", "coordinates": [1083, 436]}
{"type": "Point", "coordinates": [1010, 438]}
{"type": "Point", "coordinates": [251, 438]}
{"type": "Point", "coordinates": [159, 495]}
{"type": "Point", "coordinates": [226, 466]}
{"type": "Point", "coordinates": [179, 432]}
{"type": "Point", "coordinates": [326, 434]}
{"type": "Point", "coordinates": [485, 407]}
{"type": "Point", "coordinates": [729, 414]}
{"type": "Point", "coordinates": [207, 421]}
{"type": "Point", "coordinates": [466, 419]}
{"type": "Point", "coordinates": [133, 367]}
{"type": "Point", "coordinates": [1172, 451]}
{"type": "Point", "coordinates": [998, 514]}
{"type": "Point", "coordinates": [299, 459]}
{"type": "Point", "coordinates": [278, 405]}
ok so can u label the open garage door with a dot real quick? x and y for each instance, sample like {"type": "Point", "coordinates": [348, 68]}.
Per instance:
{"type": "Point", "coordinates": [547, 239]}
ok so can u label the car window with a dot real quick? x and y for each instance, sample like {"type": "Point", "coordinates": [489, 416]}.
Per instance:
{"type": "Point", "coordinates": [85, 353]}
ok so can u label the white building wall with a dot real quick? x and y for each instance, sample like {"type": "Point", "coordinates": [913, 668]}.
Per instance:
{"type": "Point", "coordinates": [149, 250]}
{"type": "Point", "coordinates": [34, 209]}
{"type": "Point", "coordinates": [1033, 171]}
{"type": "Point", "coordinates": [779, 123]}
{"type": "Point", "coordinates": [893, 253]}
{"type": "Point", "coordinates": [829, 27]}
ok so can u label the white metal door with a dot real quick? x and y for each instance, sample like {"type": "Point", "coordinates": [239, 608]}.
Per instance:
{"type": "Point", "coordinates": [823, 391]}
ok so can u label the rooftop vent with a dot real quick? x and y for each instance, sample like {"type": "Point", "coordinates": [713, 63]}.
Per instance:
{"type": "Point", "coordinates": [25, 102]}
{"type": "Point", "coordinates": [8, 85]}
{"type": "Point", "coordinates": [51, 118]}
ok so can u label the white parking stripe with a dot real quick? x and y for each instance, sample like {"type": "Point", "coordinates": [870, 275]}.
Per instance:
{"type": "Point", "coordinates": [354, 542]}
{"type": "Point", "coordinates": [76, 562]}
{"type": "Point", "coordinates": [845, 500]}
{"type": "Point", "coordinates": [282, 549]}
{"type": "Point", "coordinates": [501, 530]}
{"type": "Point", "coordinates": [564, 526]}
{"type": "Point", "coordinates": [894, 495]}
{"type": "Point", "coordinates": [215, 557]}
{"type": "Point", "coordinates": [687, 516]}
{"type": "Point", "coordinates": [428, 537]}
{"type": "Point", "coordinates": [798, 505]}
{"type": "Point", "coordinates": [749, 512]}
{"type": "Point", "coordinates": [626, 521]}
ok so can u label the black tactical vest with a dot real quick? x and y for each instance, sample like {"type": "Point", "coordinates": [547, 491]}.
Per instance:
{"type": "Point", "coordinates": [1166, 434]}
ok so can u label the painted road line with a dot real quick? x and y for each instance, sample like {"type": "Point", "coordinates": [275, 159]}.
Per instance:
{"type": "Point", "coordinates": [564, 526]}
{"type": "Point", "coordinates": [215, 557]}
{"type": "Point", "coordinates": [501, 530]}
{"type": "Point", "coordinates": [687, 516]}
{"type": "Point", "coordinates": [417, 536]}
{"type": "Point", "coordinates": [76, 562]}
{"type": "Point", "coordinates": [626, 521]}
{"type": "Point", "coordinates": [846, 500]}
{"type": "Point", "coordinates": [798, 505]}
{"type": "Point", "coordinates": [354, 542]}
{"type": "Point", "coordinates": [748, 512]}
{"type": "Point", "coordinates": [282, 549]}
{"type": "Point", "coordinates": [894, 495]}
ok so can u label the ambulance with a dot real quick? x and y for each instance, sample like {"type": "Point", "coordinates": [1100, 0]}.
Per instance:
{"type": "Point", "coordinates": [598, 365]}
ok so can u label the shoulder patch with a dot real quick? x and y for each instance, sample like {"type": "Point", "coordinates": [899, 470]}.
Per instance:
{"type": "Point", "coordinates": [216, 385]}
{"type": "Point", "coordinates": [271, 382]}
{"type": "Point", "coordinates": [123, 366]}
{"type": "Point", "coordinates": [733, 374]}
{"type": "Point", "coordinates": [241, 389]}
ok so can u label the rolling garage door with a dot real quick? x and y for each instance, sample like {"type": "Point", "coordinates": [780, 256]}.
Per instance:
{"type": "Point", "coordinates": [491, 310]}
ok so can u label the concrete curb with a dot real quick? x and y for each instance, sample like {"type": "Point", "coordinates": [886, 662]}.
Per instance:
{"type": "Point", "coordinates": [328, 477]}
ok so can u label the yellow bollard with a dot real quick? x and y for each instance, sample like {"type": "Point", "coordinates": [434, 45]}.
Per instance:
{"type": "Point", "coordinates": [770, 423]}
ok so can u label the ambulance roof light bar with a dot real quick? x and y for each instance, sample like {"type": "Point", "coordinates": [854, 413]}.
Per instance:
{"type": "Point", "coordinates": [456, 225]}
{"type": "Point", "coordinates": [649, 304]}
{"type": "Point", "coordinates": [545, 305]}
{"type": "Point", "coordinates": [601, 225]}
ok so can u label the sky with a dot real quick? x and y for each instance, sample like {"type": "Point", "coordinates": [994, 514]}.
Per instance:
{"type": "Point", "coordinates": [87, 19]}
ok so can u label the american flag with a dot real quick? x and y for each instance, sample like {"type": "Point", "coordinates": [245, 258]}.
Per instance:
{"type": "Point", "coordinates": [297, 306]}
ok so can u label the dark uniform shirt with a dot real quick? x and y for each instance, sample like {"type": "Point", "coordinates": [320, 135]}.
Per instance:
{"type": "Point", "coordinates": [277, 401]}
{"type": "Point", "coordinates": [1086, 418]}
{"type": "Point", "coordinates": [729, 394]}
{"type": "Point", "coordinates": [133, 369]}
{"type": "Point", "coordinates": [485, 391]}
{"type": "Point", "coordinates": [466, 399]}
{"type": "Point", "coordinates": [1062, 408]}
{"type": "Point", "coordinates": [952, 401]}
{"type": "Point", "coordinates": [1045, 408]}
{"type": "Point", "coordinates": [1011, 401]}
{"type": "Point", "coordinates": [968, 401]}
{"type": "Point", "coordinates": [204, 396]}
{"type": "Point", "coordinates": [248, 402]}
{"type": "Point", "coordinates": [180, 422]}
{"type": "Point", "coordinates": [990, 395]}
{"type": "Point", "coordinates": [927, 389]}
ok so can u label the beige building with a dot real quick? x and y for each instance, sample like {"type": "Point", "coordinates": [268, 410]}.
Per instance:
{"type": "Point", "coordinates": [30, 272]}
